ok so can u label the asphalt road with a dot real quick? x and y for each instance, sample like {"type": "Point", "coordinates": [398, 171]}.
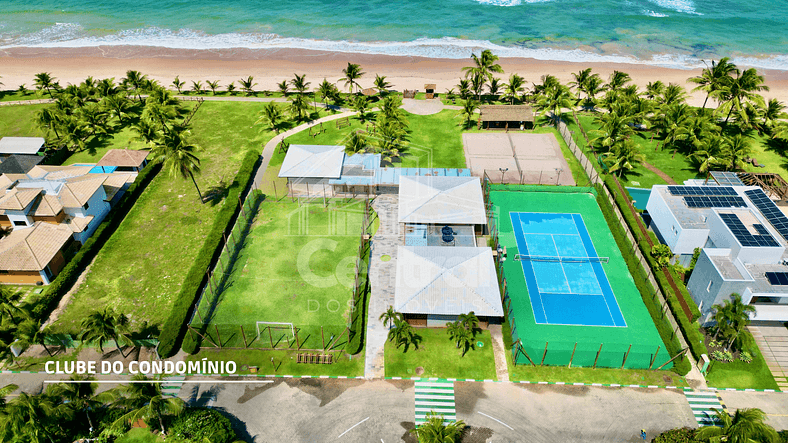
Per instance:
{"type": "Point", "coordinates": [774, 404]}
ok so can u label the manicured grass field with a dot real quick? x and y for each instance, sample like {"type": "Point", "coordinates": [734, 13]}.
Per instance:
{"type": "Point", "coordinates": [20, 121]}
{"type": "Point", "coordinates": [296, 265]}
{"type": "Point", "coordinates": [440, 357]}
{"type": "Point", "coordinates": [284, 363]}
{"type": "Point", "coordinates": [140, 270]}
{"type": "Point", "coordinates": [433, 140]}
{"type": "Point", "coordinates": [740, 375]}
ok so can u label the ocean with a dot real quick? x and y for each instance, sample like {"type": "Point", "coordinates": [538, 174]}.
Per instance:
{"type": "Point", "coordinates": [671, 33]}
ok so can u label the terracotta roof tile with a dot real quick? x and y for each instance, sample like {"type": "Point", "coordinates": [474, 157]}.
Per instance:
{"type": "Point", "coordinates": [18, 199]}
{"type": "Point", "coordinates": [31, 249]}
{"type": "Point", "coordinates": [123, 157]}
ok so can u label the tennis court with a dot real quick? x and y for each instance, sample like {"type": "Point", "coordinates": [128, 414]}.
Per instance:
{"type": "Point", "coordinates": [570, 295]}
{"type": "Point", "coordinates": [566, 282]}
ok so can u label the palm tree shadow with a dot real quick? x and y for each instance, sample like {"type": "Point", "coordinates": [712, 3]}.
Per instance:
{"type": "Point", "coordinates": [216, 193]}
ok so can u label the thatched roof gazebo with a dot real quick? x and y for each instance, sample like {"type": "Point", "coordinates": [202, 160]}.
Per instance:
{"type": "Point", "coordinates": [429, 90]}
{"type": "Point", "coordinates": [506, 117]}
{"type": "Point", "coordinates": [369, 92]}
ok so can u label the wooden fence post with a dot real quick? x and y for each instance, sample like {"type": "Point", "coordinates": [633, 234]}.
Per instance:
{"type": "Point", "coordinates": [572, 357]}
{"type": "Point", "coordinates": [545, 353]}
{"type": "Point", "coordinates": [298, 346]}
{"type": "Point", "coordinates": [626, 356]}
{"type": "Point", "coordinates": [270, 337]}
{"type": "Point", "coordinates": [322, 338]}
{"type": "Point", "coordinates": [680, 353]}
{"type": "Point", "coordinates": [654, 360]}
{"type": "Point", "coordinates": [244, 336]}
{"type": "Point", "coordinates": [597, 355]}
{"type": "Point", "coordinates": [218, 337]}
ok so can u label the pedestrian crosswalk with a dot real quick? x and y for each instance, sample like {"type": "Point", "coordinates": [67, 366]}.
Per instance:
{"type": "Point", "coordinates": [703, 405]}
{"type": "Point", "coordinates": [171, 386]}
{"type": "Point", "coordinates": [437, 396]}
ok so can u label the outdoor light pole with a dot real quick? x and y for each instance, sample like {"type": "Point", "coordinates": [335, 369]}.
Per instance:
{"type": "Point", "coordinates": [503, 171]}
{"type": "Point", "coordinates": [558, 170]}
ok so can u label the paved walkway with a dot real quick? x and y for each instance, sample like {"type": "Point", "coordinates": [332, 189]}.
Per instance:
{"type": "Point", "coordinates": [773, 342]}
{"type": "Point", "coordinates": [661, 174]}
{"type": "Point", "coordinates": [499, 350]}
{"type": "Point", "coordinates": [383, 278]}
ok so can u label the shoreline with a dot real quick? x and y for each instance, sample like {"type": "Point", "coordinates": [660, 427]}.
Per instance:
{"type": "Point", "coordinates": [271, 66]}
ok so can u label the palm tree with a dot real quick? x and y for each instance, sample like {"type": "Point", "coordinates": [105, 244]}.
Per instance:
{"type": "Point", "coordinates": [390, 316]}
{"type": "Point", "coordinates": [613, 129]}
{"type": "Point", "coordinates": [44, 80]}
{"type": "Point", "coordinates": [581, 79]}
{"type": "Point", "coordinates": [735, 150]}
{"type": "Point", "coordinates": [470, 322]}
{"type": "Point", "coordinates": [555, 100]}
{"type": "Point", "coordinates": [4, 392]}
{"type": "Point", "coordinates": [325, 89]}
{"type": "Point", "coordinates": [146, 401]}
{"type": "Point", "coordinates": [136, 81]}
{"type": "Point", "coordinates": [147, 132]}
{"type": "Point", "coordinates": [177, 156]}
{"type": "Point", "coordinates": [100, 326]}
{"type": "Point", "coordinates": [617, 80]}
{"type": "Point", "coordinates": [624, 157]}
{"type": "Point", "coordinates": [673, 123]}
{"type": "Point", "coordinates": [673, 94]}
{"type": "Point", "coordinates": [745, 426]}
{"type": "Point", "coordinates": [465, 88]}
{"type": "Point", "coordinates": [299, 83]}
{"type": "Point", "coordinates": [468, 111]}
{"type": "Point", "coordinates": [178, 84]}
{"type": "Point", "coordinates": [247, 84]}
{"type": "Point", "coordinates": [436, 430]}
{"type": "Point", "coordinates": [478, 80]}
{"type": "Point", "coordinates": [159, 113]}
{"type": "Point", "coordinates": [352, 73]}
{"type": "Point", "coordinates": [29, 418]}
{"type": "Point", "coordinates": [741, 88]}
{"type": "Point", "coordinates": [230, 88]}
{"type": "Point", "coordinates": [81, 397]}
{"type": "Point", "coordinates": [515, 86]}
{"type": "Point", "coordinates": [31, 333]}
{"type": "Point", "coordinates": [403, 334]}
{"type": "Point", "coordinates": [381, 84]}
{"type": "Point", "coordinates": [299, 108]}
{"type": "Point", "coordinates": [284, 87]}
{"type": "Point", "coordinates": [735, 316]}
{"type": "Point", "coordinates": [270, 114]}
{"type": "Point", "coordinates": [213, 85]}
{"type": "Point", "coordinates": [707, 156]}
{"type": "Point", "coordinates": [495, 87]}
{"type": "Point", "coordinates": [118, 106]}
{"type": "Point", "coordinates": [484, 67]}
{"type": "Point", "coordinates": [696, 128]}
{"type": "Point", "coordinates": [9, 305]}
{"type": "Point", "coordinates": [713, 79]}
{"type": "Point", "coordinates": [356, 143]}
{"type": "Point", "coordinates": [360, 105]}
{"type": "Point", "coordinates": [197, 86]}
{"type": "Point", "coordinates": [48, 119]}
{"type": "Point", "coordinates": [654, 90]}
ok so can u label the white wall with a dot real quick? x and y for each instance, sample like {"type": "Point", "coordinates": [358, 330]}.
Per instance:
{"type": "Point", "coordinates": [681, 241]}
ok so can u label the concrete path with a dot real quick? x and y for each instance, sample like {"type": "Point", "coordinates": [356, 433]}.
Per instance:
{"type": "Point", "coordinates": [499, 350]}
{"type": "Point", "coordinates": [773, 342]}
{"type": "Point", "coordinates": [383, 278]}
{"type": "Point", "coordinates": [270, 147]}
{"type": "Point", "coordinates": [425, 107]}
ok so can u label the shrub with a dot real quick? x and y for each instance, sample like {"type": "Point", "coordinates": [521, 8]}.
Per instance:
{"type": "Point", "coordinates": [678, 435]}
{"type": "Point", "coordinates": [725, 356]}
{"type": "Point", "coordinates": [681, 366]}
{"type": "Point", "coordinates": [197, 424]}
{"type": "Point", "coordinates": [745, 357]}
{"type": "Point", "coordinates": [175, 325]}
{"type": "Point", "coordinates": [44, 305]}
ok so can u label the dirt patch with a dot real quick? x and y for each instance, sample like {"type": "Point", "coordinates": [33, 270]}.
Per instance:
{"type": "Point", "coordinates": [408, 436]}
{"type": "Point", "coordinates": [477, 435]}
{"type": "Point", "coordinates": [574, 391]}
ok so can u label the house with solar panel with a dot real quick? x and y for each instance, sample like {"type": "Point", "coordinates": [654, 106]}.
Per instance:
{"type": "Point", "coordinates": [742, 235]}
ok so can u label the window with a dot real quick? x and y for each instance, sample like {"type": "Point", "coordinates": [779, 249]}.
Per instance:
{"type": "Point", "coordinates": [708, 288]}
{"type": "Point", "coordinates": [20, 223]}
{"type": "Point", "coordinates": [85, 207]}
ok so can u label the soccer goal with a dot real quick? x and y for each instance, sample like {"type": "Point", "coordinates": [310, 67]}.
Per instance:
{"type": "Point", "coordinates": [284, 327]}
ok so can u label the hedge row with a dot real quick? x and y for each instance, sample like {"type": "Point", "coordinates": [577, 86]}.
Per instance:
{"type": "Point", "coordinates": [175, 325]}
{"type": "Point", "coordinates": [49, 299]}
{"type": "Point", "coordinates": [359, 326]}
{"type": "Point", "coordinates": [689, 327]}
{"type": "Point", "coordinates": [680, 366]}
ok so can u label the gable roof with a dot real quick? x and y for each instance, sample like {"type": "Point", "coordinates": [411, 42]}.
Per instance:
{"type": "Point", "coordinates": [506, 113]}
{"type": "Point", "coordinates": [19, 163]}
{"type": "Point", "coordinates": [17, 199]}
{"type": "Point", "coordinates": [58, 172]}
{"type": "Point", "coordinates": [46, 205]}
{"type": "Point", "coordinates": [313, 161]}
{"type": "Point", "coordinates": [124, 158]}
{"type": "Point", "coordinates": [21, 145]}
{"type": "Point", "coordinates": [446, 281]}
{"type": "Point", "coordinates": [441, 200]}
{"type": "Point", "coordinates": [33, 248]}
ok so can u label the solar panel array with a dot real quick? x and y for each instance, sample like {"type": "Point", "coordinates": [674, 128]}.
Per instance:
{"type": "Point", "coordinates": [714, 202]}
{"type": "Point", "coordinates": [761, 229]}
{"type": "Point", "coordinates": [726, 178]}
{"type": "Point", "coordinates": [744, 236]}
{"type": "Point", "coordinates": [769, 210]}
{"type": "Point", "coordinates": [702, 190]}
{"type": "Point", "coordinates": [777, 278]}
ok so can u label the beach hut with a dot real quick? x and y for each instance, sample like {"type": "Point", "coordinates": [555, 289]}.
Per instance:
{"type": "Point", "coordinates": [506, 117]}
{"type": "Point", "coordinates": [429, 89]}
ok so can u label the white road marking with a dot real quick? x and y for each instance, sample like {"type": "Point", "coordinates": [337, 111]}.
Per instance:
{"type": "Point", "coordinates": [350, 428]}
{"type": "Point", "coordinates": [499, 421]}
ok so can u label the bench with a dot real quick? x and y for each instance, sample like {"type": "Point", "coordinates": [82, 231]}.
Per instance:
{"type": "Point", "coordinates": [343, 122]}
{"type": "Point", "coordinates": [315, 359]}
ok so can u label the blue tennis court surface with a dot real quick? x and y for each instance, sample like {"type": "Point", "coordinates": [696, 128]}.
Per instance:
{"type": "Point", "coordinates": [569, 288]}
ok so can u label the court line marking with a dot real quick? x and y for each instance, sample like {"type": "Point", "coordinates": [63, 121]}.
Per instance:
{"type": "Point", "coordinates": [499, 421]}
{"type": "Point", "coordinates": [350, 428]}
{"type": "Point", "coordinates": [522, 265]}
{"type": "Point", "coordinates": [558, 253]}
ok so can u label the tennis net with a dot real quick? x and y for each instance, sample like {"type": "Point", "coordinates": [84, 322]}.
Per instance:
{"type": "Point", "coordinates": [523, 257]}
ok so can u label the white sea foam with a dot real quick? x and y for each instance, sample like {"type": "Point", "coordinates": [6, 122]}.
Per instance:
{"type": "Point", "coordinates": [654, 13]}
{"type": "Point", "coordinates": [500, 2]}
{"type": "Point", "coordinates": [447, 47]}
{"type": "Point", "coordinates": [685, 6]}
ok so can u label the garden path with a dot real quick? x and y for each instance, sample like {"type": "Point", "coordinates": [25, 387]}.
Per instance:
{"type": "Point", "coordinates": [499, 350]}
{"type": "Point", "coordinates": [382, 277]}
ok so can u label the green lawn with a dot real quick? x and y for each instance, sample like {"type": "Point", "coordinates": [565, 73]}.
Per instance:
{"type": "Point", "coordinates": [439, 357]}
{"type": "Point", "coordinates": [139, 435]}
{"type": "Point", "coordinates": [433, 140]}
{"type": "Point", "coordinates": [296, 266]}
{"type": "Point", "coordinates": [740, 375]}
{"type": "Point", "coordinates": [19, 121]}
{"type": "Point", "coordinates": [284, 362]}
{"type": "Point", "coordinates": [12, 96]}
{"type": "Point", "coordinates": [141, 268]}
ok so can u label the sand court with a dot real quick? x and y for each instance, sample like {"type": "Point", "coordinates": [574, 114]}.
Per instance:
{"type": "Point", "coordinates": [525, 158]}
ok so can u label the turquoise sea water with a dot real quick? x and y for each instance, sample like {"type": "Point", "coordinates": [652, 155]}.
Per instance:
{"type": "Point", "coordinates": [665, 32]}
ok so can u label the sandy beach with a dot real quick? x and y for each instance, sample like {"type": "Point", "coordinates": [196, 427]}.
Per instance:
{"type": "Point", "coordinates": [72, 65]}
